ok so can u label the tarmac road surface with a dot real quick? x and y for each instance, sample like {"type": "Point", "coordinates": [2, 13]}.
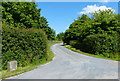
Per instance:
{"type": "Point", "coordinates": [71, 65]}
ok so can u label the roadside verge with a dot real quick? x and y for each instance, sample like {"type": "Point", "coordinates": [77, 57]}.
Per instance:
{"type": "Point", "coordinates": [6, 74]}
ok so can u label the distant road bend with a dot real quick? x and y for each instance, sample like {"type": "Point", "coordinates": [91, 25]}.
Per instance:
{"type": "Point", "coordinates": [71, 65]}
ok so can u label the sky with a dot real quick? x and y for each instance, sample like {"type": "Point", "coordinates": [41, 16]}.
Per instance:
{"type": "Point", "coordinates": [75, 0]}
{"type": "Point", "coordinates": [61, 14]}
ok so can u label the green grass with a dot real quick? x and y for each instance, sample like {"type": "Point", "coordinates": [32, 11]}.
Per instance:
{"type": "Point", "coordinates": [5, 74]}
{"type": "Point", "coordinates": [88, 54]}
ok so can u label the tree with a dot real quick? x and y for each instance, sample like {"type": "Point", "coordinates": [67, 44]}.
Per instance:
{"type": "Point", "coordinates": [106, 20]}
{"type": "Point", "coordinates": [45, 26]}
{"type": "Point", "coordinates": [75, 31]}
{"type": "Point", "coordinates": [26, 15]}
{"type": "Point", "coordinates": [21, 14]}
{"type": "Point", "coordinates": [60, 36]}
{"type": "Point", "coordinates": [97, 35]}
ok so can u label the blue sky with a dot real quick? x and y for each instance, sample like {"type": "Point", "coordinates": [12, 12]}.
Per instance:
{"type": "Point", "coordinates": [61, 14]}
{"type": "Point", "coordinates": [75, 0]}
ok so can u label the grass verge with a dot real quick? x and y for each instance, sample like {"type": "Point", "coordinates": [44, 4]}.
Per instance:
{"type": "Point", "coordinates": [88, 54]}
{"type": "Point", "coordinates": [5, 74]}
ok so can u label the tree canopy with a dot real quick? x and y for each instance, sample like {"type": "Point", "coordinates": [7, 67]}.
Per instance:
{"type": "Point", "coordinates": [25, 15]}
{"type": "Point", "coordinates": [99, 34]}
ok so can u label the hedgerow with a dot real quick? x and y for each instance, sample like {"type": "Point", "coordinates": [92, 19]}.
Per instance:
{"type": "Point", "coordinates": [101, 44]}
{"type": "Point", "coordinates": [27, 15]}
{"type": "Point", "coordinates": [26, 46]}
{"type": "Point", "coordinates": [98, 35]}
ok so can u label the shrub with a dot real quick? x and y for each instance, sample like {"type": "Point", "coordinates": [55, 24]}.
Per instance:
{"type": "Point", "coordinates": [75, 43]}
{"type": "Point", "coordinates": [26, 46]}
{"type": "Point", "coordinates": [103, 44]}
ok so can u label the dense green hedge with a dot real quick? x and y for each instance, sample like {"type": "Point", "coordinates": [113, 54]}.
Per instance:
{"type": "Point", "coordinates": [26, 46]}
{"type": "Point", "coordinates": [26, 15]}
{"type": "Point", "coordinates": [75, 43]}
{"type": "Point", "coordinates": [101, 44]}
{"type": "Point", "coordinates": [99, 35]}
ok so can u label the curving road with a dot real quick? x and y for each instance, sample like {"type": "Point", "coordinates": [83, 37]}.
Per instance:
{"type": "Point", "coordinates": [71, 65]}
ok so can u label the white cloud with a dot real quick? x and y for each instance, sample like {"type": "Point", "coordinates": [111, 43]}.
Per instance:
{"type": "Point", "coordinates": [105, 0]}
{"type": "Point", "coordinates": [93, 8]}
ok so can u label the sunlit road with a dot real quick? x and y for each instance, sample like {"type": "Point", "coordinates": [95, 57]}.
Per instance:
{"type": "Point", "coordinates": [71, 65]}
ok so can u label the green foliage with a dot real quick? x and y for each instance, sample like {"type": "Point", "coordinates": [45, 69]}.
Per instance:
{"type": "Point", "coordinates": [97, 35]}
{"type": "Point", "coordinates": [74, 43]}
{"type": "Point", "coordinates": [78, 29]}
{"type": "Point", "coordinates": [25, 15]}
{"type": "Point", "coordinates": [21, 14]}
{"type": "Point", "coordinates": [26, 46]}
{"type": "Point", "coordinates": [60, 36]}
{"type": "Point", "coordinates": [49, 31]}
{"type": "Point", "coordinates": [104, 44]}
{"type": "Point", "coordinates": [25, 35]}
{"type": "Point", "coordinates": [106, 20]}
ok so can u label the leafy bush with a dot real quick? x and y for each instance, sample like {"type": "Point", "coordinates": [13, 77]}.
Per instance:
{"type": "Point", "coordinates": [104, 44]}
{"type": "Point", "coordinates": [26, 46]}
{"type": "Point", "coordinates": [99, 34]}
{"type": "Point", "coordinates": [26, 15]}
{"type": "Point", "coordinates": [60, 36]}
{"type": "Point", "coordinates": [75, 43]}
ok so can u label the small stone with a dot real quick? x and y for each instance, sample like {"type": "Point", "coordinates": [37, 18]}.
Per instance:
{"type": "Point", "coordinates": [12, 65]}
